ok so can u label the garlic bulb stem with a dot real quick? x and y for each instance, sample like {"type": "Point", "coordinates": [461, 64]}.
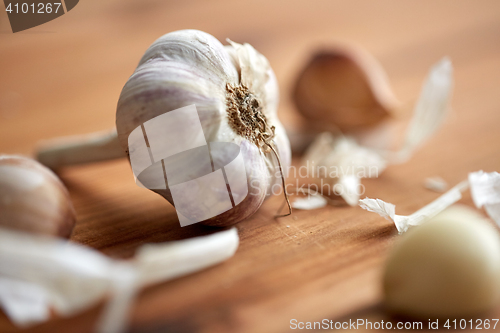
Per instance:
{"type": "Point", "coordinates": [80, 149]}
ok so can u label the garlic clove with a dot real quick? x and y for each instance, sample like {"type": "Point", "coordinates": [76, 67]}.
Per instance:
{"type": "Point", "coordinates": [80, 149]}
{"type": "Point", "coordinates": [449, 267]}
{"type": "Point", "coordinates": [344, 87]}
{"type": "Point", "coordinates": [33, 199]}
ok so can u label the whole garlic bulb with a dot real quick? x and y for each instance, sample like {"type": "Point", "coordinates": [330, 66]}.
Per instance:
{"type": "Point", "coordinates": [33, 199]}
{"type": "Point", "coordinates": [233, 88]}
{"type": "Point", "coordinates": [449, 267]}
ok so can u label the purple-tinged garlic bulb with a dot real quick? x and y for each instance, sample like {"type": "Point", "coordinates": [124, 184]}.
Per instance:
{"type": "Point", "coordinates": [33, 199]}
{"type": "Point", "coordinates": [236, 97]}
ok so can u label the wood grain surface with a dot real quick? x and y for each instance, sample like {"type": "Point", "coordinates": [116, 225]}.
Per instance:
{"type": "Point", "coordinates": [64, 78]}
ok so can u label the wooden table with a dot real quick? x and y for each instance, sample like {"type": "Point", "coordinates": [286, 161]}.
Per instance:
{"type": "Point", "coordinates": [64, 78]}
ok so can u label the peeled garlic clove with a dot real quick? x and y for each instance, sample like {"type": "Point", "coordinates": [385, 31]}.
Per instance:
{"type": "Point", "coordinates": [449, 267]}
{"type": "Point", "coordinates": [33, 199]}
{"type": "Point", "coordinates": [229, 85]}
{"type": "Point", "coordinates": [344, 87]}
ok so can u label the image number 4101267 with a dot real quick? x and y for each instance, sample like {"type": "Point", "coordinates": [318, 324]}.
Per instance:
{"type": "Point", "coordinates": [25, 14]}
{"type": "Point", "coordinates": [39, 8]}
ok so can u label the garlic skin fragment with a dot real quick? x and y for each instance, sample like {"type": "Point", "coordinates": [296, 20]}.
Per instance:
{"type": "Point", "coordinates": [485, 189]}
{"type": "Point", "coordinates": [436, 184]}
{"type": "Point", "coordinates": [189, 67]}
{"type": "Point", "coordinates": [402, 222]}
{"type": "Point", "coordinates": [430, 110]}
{"type": "Point", "coordinates": [40, 274]}
{"type": "Point", "coordinates": [312, 201]}
{"type": "Point", "coordinates": [448, 267]}
{"type": "Point", "coordinates": [165, 261]}
{"type": "Point", "coordinates": [343, 162]}
{"type": "Point", "coordinates": [33, 199]}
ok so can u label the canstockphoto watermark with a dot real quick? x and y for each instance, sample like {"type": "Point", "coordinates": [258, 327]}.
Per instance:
{"type": "Point", "coordinates": [356, 324]}
{"type": "Point", "coordinates": [170, 155]}
{"type": "Point", "coordinates": [26, 14]}
{"type": "Point", "coordinates": [365, 324]}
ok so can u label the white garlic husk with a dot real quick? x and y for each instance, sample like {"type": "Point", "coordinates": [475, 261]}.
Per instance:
{"type": "Point", "coordinates": [33, 199]}
{"type": "Point", "coordinates": [192, 67]}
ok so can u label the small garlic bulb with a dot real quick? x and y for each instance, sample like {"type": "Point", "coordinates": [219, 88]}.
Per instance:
{"type": "Point", "coordinates": [33, 199]}
{"type": "Point", "coordinates": [449, 267]}
{"type": "Point", "coordinates": [235, 93]}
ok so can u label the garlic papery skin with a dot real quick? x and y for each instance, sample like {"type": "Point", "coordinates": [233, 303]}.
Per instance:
{"type": "Point", "coordinates": [33, 199]}
{"type": "Point", "coordinates": [41, 275]}
{"type": "Point", "coordinates": [189, 67]}
{"type": "Point", "coordinates": [448, 267]}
